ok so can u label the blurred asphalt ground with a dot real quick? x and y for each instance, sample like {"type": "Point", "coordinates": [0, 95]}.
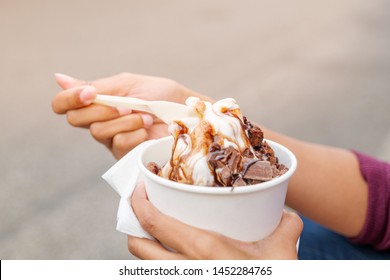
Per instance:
{"type": "Point", "coordinates": [317, 70]}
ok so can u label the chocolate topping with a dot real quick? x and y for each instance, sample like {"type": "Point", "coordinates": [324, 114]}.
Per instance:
{"type": "Point", "coordinates": [229, 166]}
{"type": "Point", "coordinates": [252, 166]}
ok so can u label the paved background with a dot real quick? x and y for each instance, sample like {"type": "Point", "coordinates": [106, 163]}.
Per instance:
{"type": "Point", "coordinates": [317, 70]}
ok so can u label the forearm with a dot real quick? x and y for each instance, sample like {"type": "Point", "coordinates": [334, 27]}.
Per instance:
{"type": "Point", "coordinates": [327, 186]}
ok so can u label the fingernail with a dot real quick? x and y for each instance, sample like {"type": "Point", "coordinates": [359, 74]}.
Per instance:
{"type": "Point", "coordinates": [62, 78]}
{"type": "Point", "coordinates": [147, 119]}
{"type": "Point", "coordinates": [87, 94]}
{"type": "Point", "coordinates": [123, 111]}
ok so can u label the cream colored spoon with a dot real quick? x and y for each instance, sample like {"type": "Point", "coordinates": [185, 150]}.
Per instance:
{"type": "Point", "coordinates": [164, 110]}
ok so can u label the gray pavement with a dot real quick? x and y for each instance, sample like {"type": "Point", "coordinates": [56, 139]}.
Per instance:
{"type": "Point", "coordinates": [315, 70]}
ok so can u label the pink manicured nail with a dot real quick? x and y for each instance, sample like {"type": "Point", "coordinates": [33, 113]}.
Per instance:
{"type": "Point", "coordinates": [64, 79]}
{"type": "Point", "coordinates": [123, 111]}
{"type": "Point", "coordinates": [147, 119]}
{"type": "Point", "coordinates": [87, 94]}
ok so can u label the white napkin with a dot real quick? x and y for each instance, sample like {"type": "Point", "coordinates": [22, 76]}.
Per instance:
{"type": "Point", "coordinates": [123, 177]}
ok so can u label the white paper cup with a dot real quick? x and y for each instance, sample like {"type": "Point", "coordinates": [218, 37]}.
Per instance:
{"type": "Point", "coordinates": [247, 213]}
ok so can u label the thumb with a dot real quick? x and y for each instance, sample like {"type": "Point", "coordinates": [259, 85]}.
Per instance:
{"type": "Point", "coordinates": [67, 82]}
{"type": "Point", "coordinates": [290, 228]}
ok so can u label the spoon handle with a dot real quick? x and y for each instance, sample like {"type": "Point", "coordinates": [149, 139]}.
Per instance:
{"type": "Point", "coordinates": [120, 101]}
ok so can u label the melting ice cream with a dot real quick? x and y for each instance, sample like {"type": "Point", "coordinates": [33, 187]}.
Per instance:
{"type": "Point", "coordinates": [219, 147]}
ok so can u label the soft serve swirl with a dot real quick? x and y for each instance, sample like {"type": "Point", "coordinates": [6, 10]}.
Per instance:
{"type": "Point", "coordinates": [219, 124]}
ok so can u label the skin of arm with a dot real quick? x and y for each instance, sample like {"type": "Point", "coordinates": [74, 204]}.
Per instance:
{"type": "Point", "coordinates": [327, 186]}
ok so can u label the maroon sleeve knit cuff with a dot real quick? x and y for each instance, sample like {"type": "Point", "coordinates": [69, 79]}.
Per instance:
{"type": "Point", "coordinates": [376, 230]}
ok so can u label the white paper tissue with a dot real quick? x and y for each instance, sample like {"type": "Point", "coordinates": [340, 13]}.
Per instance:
{"type": "Point", "coordinates": [123, 177]}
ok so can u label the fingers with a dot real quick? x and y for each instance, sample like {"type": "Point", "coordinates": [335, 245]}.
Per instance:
{"type": "Point", "coordinates": [103, 132]}
{"type": "Point", "coordinates": [67, 82]}
{"type": "Point", "coordinates": [124, 142]}
{"type": "Point", "coordinates": [281, 244]}
{"type": "Point", "coordinates": [150, 250]}
{"type": "Point", "coordinates": [107, 85]}
{"type": "Point", "coordinates": [192, 242]}
{"type": "Point", "coordinates": [85, 116]}
{"type": "Point", "coordinates": [292, 223]}
{"type": "Point", "coordinates": [120, 84]}
{"type": "Point", "coordinates": [78, 93]}
{"type": "Point", "coordinates": [289, 229]}
{"type": "Point", "coordinates": [73, 99]}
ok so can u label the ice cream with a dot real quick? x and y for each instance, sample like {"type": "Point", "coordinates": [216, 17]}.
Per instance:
{"type": "Point", "coordinates": [219, 147]}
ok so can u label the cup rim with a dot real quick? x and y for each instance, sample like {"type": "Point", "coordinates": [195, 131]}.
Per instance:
{"type": "Point", "coordinates": [217, 190]}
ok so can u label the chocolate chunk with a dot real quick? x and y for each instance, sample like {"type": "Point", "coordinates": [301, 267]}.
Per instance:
{"type": "Point", "coordinates": [226, 155]}
{"type": "Point", "coordinates": [275, 171]}
{"type": "Point", "coordinates": [247, 153]}
{"type": "Point", "coordinates": [215, 159]}
{"type": "Point", "coordinates": [234, 162]}
{"type": "Point", "coordinates": [254, 182]}
{"type": "Point", "coordinates": [239, 182]}
{"type": "Point", "coordinates": [279, 170]}
{"type": "Point", "coordinates": [225, 163]}
{"type": "Point", "coordinates": [282, 168]}
{"type": "Point", "coordinates": [214, 147]}
{"type": "Point", "coordinates": [246, 162]}
{"type": "Point", "coordinates": [255, 134]}
{"type": "Point", "coordinates": [259, 171]}
{"type": "Point", "coordinates": [153, 167]}
{"type": "Point", "coordinates": [255, 137]}
{"type": "Point", "coordinates": [226, 176]}
{"type": "Point", "coordinates": [268, 153]}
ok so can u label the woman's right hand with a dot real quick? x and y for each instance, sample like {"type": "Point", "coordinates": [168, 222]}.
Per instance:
{"type": "Point", "coordinates": [119, 130]}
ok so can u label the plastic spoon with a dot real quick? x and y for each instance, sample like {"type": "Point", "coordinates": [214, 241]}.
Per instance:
{"type": "Point", "coordinates": [164, 110]}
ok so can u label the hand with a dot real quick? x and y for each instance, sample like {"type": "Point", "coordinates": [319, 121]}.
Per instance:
{"type": "Point", "coordinates": [119, 130]}
{"type": "Point", "coordinates": [194, 243]}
